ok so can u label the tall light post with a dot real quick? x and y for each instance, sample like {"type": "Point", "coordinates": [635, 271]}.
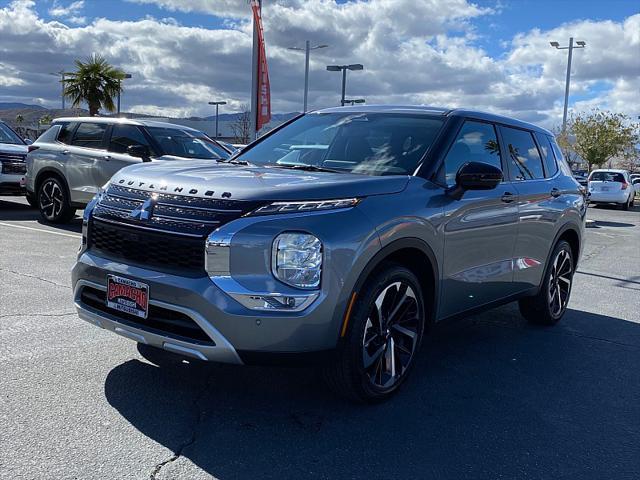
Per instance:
{"type": "Point", "coordinates": [126, 75]}
{"type": "Point", "coordinates": [343, 69]}
{"type": "Point", "coordinates": [307, 49]}
{"type": "Point", "coordinates": [571, 46]}
{"type": "Point", "coordinates": [217, 104]}
{"type": "Point", "coordinates": [60, 74]}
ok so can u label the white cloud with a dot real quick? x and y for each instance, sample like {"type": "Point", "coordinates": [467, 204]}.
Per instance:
{"type": "Point", "coordinates": [427, 54]}
{"type": "Point", "coordinates": [70, 12]}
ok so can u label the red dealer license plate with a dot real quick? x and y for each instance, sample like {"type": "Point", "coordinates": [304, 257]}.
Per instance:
{"type": "Point", "coordinates": [128, 296]}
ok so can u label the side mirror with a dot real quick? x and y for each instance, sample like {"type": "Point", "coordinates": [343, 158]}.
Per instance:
{"type": "Point", "coordinates": [139, 151]}
{"type": "Point", "coordinates": [478, 176]}
{"type": "Point", "coordinates": [475, 176]}
{"type": "Point", "coordinates": [28, 141]}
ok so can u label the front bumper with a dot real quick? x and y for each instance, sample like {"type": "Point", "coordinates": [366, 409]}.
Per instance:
{"type": "Point", "coordinates": [12, 184]}
{"type": "Point", "coordinates": [234, 330]}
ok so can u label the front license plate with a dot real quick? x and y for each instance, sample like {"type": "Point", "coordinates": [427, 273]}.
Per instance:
{"type": "Point", "coordinates": [128, 296]}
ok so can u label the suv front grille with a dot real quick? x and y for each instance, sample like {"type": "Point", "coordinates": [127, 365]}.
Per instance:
{"type": "Point", "coordinates": [14, 168]}
{"type": "Point", "coordinates": [12, 157]}
{"type": "Point", "coordinates": [172, 235]}
{"type": "Point", "coordinates": [146, 248]}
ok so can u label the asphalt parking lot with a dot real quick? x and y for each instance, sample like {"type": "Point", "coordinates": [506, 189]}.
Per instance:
{"type": "Point", "coordinates": [491, 397]}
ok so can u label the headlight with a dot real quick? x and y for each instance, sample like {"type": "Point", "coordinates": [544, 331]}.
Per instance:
{"type": "Point", "coordinates": [297, 259]}
{"type": "Point", "coordinates": [310, 206]}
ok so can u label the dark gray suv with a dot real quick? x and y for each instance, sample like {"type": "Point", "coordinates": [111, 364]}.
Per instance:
{"type": "Point", "coordinates": [339, 238]}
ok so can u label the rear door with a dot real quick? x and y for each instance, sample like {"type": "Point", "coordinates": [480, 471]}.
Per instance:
{"type": "Point", "coordinates": [541, 202]}
{"type": "Point", "coordinates": [603, 182]}
{"type": "Point", "coordinates": [85, 153]}
{"type": "Point", "coordinates": [479, 229]}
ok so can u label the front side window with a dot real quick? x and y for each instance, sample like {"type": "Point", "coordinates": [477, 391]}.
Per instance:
{"type": "Point", "coordinates": [9, 136]}
{"type": "Point", "coordinates": [186, 143]}
{"type": "Point", "coordinates": [524, 159]}
{"type": "Point", "coordinates": [362, 143]}
{"type": "Point", "coordinates": [123, 136]}
{"type": "Point", "coordinates": [476, 142]}
{"type": "Point", "coordinates": [89, 135]}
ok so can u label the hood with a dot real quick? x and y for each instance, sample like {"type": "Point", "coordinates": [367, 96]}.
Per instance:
{"type": "Point", "coordinates": [11, 148]}
{"type": "Point", "coordinates": [218, 180]}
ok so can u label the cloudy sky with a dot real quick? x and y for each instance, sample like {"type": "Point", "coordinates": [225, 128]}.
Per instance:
{"type": "Point", "coordinates": [488, 54]}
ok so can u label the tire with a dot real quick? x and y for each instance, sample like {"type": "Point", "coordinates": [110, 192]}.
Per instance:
{"type": "Point", "coordinates": [31, 200]}
{"type": "Point", "coordinates": [53, 201]}
{"type": "Point", "coordinates": [387, 342]}
{"type": "Point", "coordinates": [550, 304]}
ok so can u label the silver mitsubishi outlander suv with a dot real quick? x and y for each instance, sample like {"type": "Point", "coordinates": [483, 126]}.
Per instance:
{"type": "Point", "coordinates": [69, 163]}
{"type": "Point", "coordinates": [339, 239]}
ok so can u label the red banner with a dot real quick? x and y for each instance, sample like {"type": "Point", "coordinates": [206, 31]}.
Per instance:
{"type": "Point", "coordinates": [264, 89]}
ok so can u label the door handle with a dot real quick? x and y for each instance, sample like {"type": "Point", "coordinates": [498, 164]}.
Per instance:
{"type": "Point", "coordinates": [107, 157]}
{"type": "Point", "coordinates": [508, 197]}
{"type": "Point", "coordinates": [555, 193]}
{"type": "Point", "coordinates": [65, 152]}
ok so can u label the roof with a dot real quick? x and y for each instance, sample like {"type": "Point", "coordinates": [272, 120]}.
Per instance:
{"type": "Point", "coordinates": [429, 110]}
{"type": "Point", "coordinates": [124, 121]}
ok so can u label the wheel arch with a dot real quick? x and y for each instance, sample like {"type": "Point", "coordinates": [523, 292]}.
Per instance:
{"type": "Point", "coordinates": [47, 172]}
{"type": "Point", "coordinates": [412, 253]}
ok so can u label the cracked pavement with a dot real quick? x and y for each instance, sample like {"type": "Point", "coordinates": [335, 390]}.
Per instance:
{"type": "Point", "coordinates": [491, 397]}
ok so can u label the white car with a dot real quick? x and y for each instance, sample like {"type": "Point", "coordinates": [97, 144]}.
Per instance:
{"type": "Point", "coordinates": [611, 186]}
{"type": "Point", "coordinates": [13, 151]}
{"type": "Point", "coordinates": [635, 181]}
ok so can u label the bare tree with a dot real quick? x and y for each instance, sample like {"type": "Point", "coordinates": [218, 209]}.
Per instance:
{"type": "Point", "coordinates": [241, 126]}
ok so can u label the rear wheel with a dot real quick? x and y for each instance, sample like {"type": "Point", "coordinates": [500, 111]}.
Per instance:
{"type": "Point", "coordinates": [53, 201]}
{"type": "Point", "coordinates": [549, 305]}
{"type": "Point", "coordinates": [382, 338]}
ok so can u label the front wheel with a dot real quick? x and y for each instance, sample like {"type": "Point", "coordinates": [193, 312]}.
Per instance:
{"type": "Point", "coordinates": [549, 305]}
{"type": "Point", "coordinates": [382, 337]}
{"type": "Point", "coordinates": [53, 201]}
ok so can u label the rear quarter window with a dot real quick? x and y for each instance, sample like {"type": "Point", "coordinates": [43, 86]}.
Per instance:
{"type": "Point", "coordinates": [546, 151]}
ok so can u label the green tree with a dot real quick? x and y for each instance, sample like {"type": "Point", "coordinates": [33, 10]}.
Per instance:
{"type": "Point", "coordinates": [600, 136]}
{"type": "Point", "coordinates": [95, 82]}
{"type": "Point", "coordinates": [45, 119]}
{"type": "Point", "coordinates": [19, 121]}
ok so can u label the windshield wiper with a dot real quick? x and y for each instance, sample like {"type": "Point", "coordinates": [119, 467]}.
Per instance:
{"type": "Point", "coordinates": [309, 168]}
{"type": "Point", "coordinates": [236, 162]}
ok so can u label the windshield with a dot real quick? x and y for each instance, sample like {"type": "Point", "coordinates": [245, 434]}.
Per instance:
{"type": "Point", "coordinates": [187, 144]}
{"type": "Point", "coordinates": [9, 136]}
{"type": "Point", "coordinates": [365, 143]}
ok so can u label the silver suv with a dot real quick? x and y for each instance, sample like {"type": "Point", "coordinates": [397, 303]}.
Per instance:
{"type": "Point", "coordinates": [13, 151]}
{"type": "Point", "coordinates": [69, 163]}
{"type": "Point", "coordinates": [341, 237]}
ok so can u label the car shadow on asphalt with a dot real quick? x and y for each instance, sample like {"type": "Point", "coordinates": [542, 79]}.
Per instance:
{"type": "Point", "coordinates": [491, 397]}
{"type": "Point", "coordinates": [21, 212]}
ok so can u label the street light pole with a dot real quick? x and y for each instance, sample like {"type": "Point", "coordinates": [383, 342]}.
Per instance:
{"type": "Point", "coordinates": [343, 69]}
{"type": "Point", "coordinates": [307, 51]}
{"type": "Point", "coordinates": [571, 46]}
{"type": "Point", "coordinates": [62, 74]}
{"type": "Point", "coordinates": [126, 75]}
{"type": "Point", "coordinates": [217, 104]}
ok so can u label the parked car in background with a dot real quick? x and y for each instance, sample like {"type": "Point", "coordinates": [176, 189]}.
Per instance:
{"type": "Point", "coordinates": [581, 178]}
{"type": "Point", "coordinates": [338, 238]}
{"type": "Point", "coordinates": [69, 163]}
{"type": "Point", "coordinates": [635, 181]}
{"type": "Point", "coordinates": [611, 186]}
{"type": "Point", "coordinates": [13, 151]}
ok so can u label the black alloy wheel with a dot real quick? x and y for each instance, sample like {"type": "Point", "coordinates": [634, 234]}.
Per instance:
{"type": "Point", "coordinates": [53, 201]}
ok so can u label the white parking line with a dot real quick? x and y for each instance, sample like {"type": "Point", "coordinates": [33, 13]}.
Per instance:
{"type": "Point", "coordinates": [4, 224]}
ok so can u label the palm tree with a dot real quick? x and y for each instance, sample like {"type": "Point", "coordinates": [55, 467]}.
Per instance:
{"type": "Point", "coordinates": [94, 82]}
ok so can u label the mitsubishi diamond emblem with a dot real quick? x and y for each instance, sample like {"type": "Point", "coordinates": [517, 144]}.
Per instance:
{"type": "Point", "coordinates": [145, 211]}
